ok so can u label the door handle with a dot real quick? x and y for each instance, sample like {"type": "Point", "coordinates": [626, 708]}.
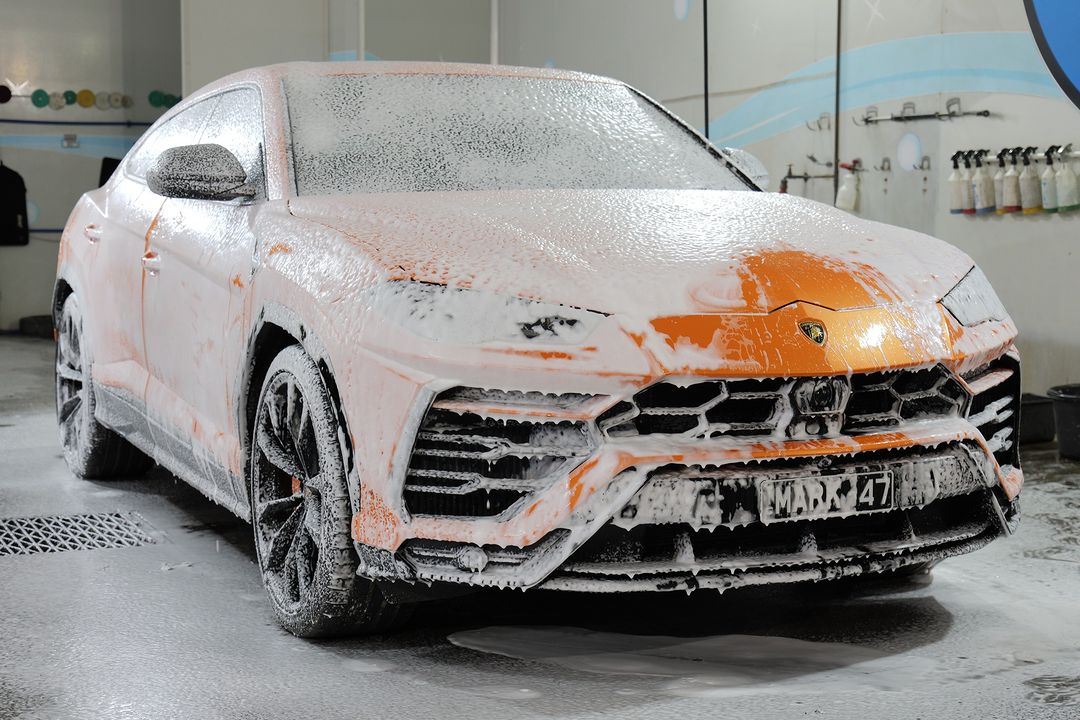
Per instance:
{"type": "Point", "coordinates": [92, 233]}
{"type": "Point", "coordinates": [151, 263]}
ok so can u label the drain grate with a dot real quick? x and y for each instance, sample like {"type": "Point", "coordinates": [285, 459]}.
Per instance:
{"type": "Point", "coordinates": [31, 535]}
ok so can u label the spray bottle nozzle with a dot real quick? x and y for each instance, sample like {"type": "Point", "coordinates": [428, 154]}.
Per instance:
{"type": "Point", "coordinates": [1050, 154]}
{"type": "Point", "coordinates": [1026, 155]}
{"type": "Point", "coordinates": [956, 159]}
{"type": "Point", "coordinates": [1001, 157]}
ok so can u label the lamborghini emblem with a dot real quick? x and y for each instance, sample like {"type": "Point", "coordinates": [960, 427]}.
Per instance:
{"type": "Point", "coordinates": [813, 330]}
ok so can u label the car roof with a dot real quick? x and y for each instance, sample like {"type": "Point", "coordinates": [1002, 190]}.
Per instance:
{"type": "Point", "coordinates": [280, 71]}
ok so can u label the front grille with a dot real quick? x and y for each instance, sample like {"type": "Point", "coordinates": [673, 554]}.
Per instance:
{"type": "Point", "coordinates": [467, 463]}
{"type": "Point", "coordinates": [888, 399]}
{"type": "Point", "coordinates": [787, 408]}
{"type": "Point", "coordinates": [995, 407]}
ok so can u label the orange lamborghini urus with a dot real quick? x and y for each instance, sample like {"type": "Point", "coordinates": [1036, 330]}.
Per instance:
{"type": "Point", "coordinates": [436, 326]}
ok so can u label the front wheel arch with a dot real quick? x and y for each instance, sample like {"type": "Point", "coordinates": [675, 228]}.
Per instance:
{"type": "Point", "coordinates": [275, 329]}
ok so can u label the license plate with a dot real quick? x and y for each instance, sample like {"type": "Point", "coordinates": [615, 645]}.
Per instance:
{"type": "Point", "coordinates": [825, 496]}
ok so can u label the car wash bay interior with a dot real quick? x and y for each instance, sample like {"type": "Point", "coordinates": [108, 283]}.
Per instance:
{"type": "Point", "coordinates": [142, 598]}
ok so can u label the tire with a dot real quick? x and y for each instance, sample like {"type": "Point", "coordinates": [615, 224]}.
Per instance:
{"type": "Point", "coordinates": [301, 510]}
{"type": "Point", "coordinates": [90, 449]}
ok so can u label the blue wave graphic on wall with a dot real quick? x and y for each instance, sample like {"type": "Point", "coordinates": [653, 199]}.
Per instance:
{"type": "Point", "coordinates": [998, 62]}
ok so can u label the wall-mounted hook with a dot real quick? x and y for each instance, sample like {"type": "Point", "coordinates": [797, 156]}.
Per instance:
{"type": "Point", "coordinates": [824, 122]}
{"type": "Point", "coordinates": [908, 109]}
{"type": "Point", "coordinates": [952, 107]}
{"type": "Point", "coordinates": [886, 165]}
{"type": "Point", "coordinates": [924, 164]}
{"type": "Point", "coordinates": [814, 160]}
{"type": "Point", "coordinates": [870, 116]}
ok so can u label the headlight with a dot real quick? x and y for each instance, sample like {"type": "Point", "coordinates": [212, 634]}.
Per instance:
{"type": "Point", "coordinates": [973, 301]}
{"type": "Point", "coordinates": [465, 316]}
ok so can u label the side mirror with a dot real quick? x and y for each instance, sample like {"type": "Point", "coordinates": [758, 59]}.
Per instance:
{"type": "Point", "coordinates": [750, 165]}
{"type": "Point", "coordinates": [199, 172]}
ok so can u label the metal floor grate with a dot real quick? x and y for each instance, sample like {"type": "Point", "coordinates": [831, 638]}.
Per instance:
{"type": "Point", "coordinates": [32, 535]}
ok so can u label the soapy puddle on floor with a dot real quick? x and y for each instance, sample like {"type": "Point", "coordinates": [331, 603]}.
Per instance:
{"type": "Point", "coordinates": [705, 666]}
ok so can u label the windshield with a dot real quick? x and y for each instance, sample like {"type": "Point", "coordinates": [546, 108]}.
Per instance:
{"type": "Point", "coordinates": [414, 133]}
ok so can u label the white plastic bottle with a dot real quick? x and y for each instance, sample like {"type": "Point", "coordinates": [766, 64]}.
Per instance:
{"type": "Point", "coordinates": [999, 184]}
{"type": "Point", "coordinates": [965, 181]}
{"type": "Point", "coordinates": [847, 196]}
{"type": "Point", "coordinates": [982, 186]}
{"type": "Point", "coordinates": [1067, 191]}
{"type": "Point", "coordinates": [956, 186]}
{"type": "Point", "coordinates": [1030, 186]}
{"type": "Point", "coordinates": [1048, 182]}
{"type": "Point", "coordinates": [1010, 185]}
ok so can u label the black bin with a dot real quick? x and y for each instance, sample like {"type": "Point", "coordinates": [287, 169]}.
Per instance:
{"type": "Point", "coordinates": [1036, 419]}
{"type": "Point", "coordinates": [1067, 418]}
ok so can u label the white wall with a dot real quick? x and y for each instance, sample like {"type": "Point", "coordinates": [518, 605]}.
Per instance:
{"type": "Point", "coordinates": [222, 37]}
{"type": "Point", "coordinates": [129, 46]}
{"type": "Point", "coordinates": [445, 31]}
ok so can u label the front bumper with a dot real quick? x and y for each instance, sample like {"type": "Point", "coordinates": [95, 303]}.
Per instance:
{"type": "Point", "coordinates": [568, 529]}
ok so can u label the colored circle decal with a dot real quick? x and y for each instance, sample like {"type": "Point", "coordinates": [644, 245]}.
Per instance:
{"type": "Point", "coordinates": [1054, 24]}
{"type": "Point", "coordinates": [40, 98]}
{"type": "Point", "coordinates": [5, 94]}
{"type": "Point", "coordinates": [85, 98]}
{"type": "Point", "coordinates": [70, 96]}
{"type": "Point", "coordinates": [157, 98]}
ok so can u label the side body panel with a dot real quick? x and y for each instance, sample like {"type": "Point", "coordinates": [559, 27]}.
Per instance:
{"type": "Point", "coordinates": [195, 310]}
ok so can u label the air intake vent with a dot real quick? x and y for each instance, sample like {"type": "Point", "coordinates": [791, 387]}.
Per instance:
{"type": "Point", "coordinates": [468, 463]}
{"type": "Point", "coordinates": [995, 407]}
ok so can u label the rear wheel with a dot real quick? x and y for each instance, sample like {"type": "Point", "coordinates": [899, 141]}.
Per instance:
{"type": "Point", "coordinates": [301, 510]}
{"type": "Point", "coordinates": [90, 449]}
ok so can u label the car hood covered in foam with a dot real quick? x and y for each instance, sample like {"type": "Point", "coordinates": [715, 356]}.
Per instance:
{"type": "Point", "coordinates": [644, 252]}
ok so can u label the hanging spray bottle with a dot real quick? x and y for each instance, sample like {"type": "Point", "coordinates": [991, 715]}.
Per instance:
{"type": "Point", "coordinates": [956, 186]}
{"type": "Point", "coordinates": [982, 186]}
{"type": "Point", "coordinates": [1030, 187]}
{"type": "Point", "coordinates": [1010, 185]}
{"type": "Point", "coordinates": [965, 181]}
{"type": "Point", "coordinates": [999, 183]}
{"type": "Point", "coordinates": [847, 196]}
{"type": "Point", "coordinates": [1067, 192]}
{"type": "Point", "coordinates": [1048, 182]}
